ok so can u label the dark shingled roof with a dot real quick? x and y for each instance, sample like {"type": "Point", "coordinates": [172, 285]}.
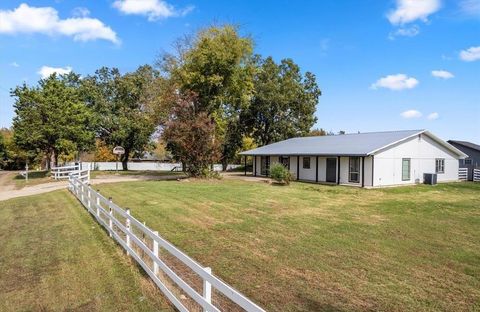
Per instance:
{"type": "Point", "coordinates": [361, 144]}
{"type": "Point", "coordinates": [465, 143]}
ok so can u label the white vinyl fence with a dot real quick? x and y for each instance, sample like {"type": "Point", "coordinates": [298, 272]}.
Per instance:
{"type": "Point", "coordinates": [144, 166]}
{"type": "Point", "coordinates": [64, 172]}
{"type": "Point", "coordinates": [476, 175]}
{"type": "Point", "coordinates": [187, 284]}
{"type": "Point", "coordinates": [463, 174]}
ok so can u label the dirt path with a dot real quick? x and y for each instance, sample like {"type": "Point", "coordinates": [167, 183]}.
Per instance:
{"type": "Point", "coordinates": [6, 181]}
{"type": "Point", "coordinates": [7, 193]}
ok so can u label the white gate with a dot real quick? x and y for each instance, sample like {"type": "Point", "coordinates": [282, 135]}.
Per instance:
{"type": "Point", "coordinates": [463, 174]}
{"type": "Point", "coordinates": [476, 175]}
{"type": "Point", "coordinates": [64, 172]}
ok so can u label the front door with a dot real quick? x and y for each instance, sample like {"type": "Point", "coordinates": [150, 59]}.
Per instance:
{"type": "Point", "coordinates": [331, 170]}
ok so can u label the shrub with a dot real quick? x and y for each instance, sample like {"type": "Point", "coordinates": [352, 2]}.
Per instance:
{"type": "Point", "coordinates": [279, 173]}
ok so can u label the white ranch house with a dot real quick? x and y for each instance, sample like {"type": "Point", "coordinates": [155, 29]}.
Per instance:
{"type": "Point", "coordinates": [365, 159]}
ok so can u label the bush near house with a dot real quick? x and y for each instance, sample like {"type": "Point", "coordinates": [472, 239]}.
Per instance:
{"type": "Point", "coordinates": [279, 173]}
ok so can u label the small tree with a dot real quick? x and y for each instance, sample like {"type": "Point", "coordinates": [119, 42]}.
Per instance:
{"type": "Point", "coordinates": [190, 136]}
{"type": "Point", "coordinates": [279, 173]}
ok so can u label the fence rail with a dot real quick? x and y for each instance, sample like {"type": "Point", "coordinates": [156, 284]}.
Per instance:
{"type": "Point", "coordinates": [476, 175]}
{"type": "Point", "coordinates": [134, 236]}
{"type": "Point", "coordinates": [64, 172]}
{"type": "Point", "coordinates": [463, 174]}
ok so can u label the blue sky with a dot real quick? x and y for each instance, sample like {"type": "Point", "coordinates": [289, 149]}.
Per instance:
{"type": "Point", "coordinates": [381, 65]}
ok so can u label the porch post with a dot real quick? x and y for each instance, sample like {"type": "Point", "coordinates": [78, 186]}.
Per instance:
{"type": "Point", "coordinates": [298, 167]}
{"type": "Point", "coordinates": [316, 170]}
{"type": "Point", "coordinates": [246, 164]}
{"type": "Point", "coordinates": [255, 165]}
{"type": "Point", "coordinates": [338, 170]}
{"type": "Point", "coordinates": [363, 171]}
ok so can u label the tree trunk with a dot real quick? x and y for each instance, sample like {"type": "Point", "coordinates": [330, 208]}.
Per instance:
{"type": "Point", "coordinates": [55, 153]}
{"type": "Point", "coordinates": [224, 164]}
{"type": "Point", "coordinates": [48, 161]}
{"type": "Point", "coordinates": [125, 161]}
{"type": "Point", "coordinates": [184, 166]}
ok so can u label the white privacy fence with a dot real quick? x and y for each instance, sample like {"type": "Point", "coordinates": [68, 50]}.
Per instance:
{"type": "Point", "coordinates": [476, 175]}
{"type": "Point", "coordinates": [187, 284]}
{"type": "Point", "coordinates": [144, 166]}
{"type": "Point", "coordinates": [64, 172]}
{"type": "Point", "coordinates": [463, 174]}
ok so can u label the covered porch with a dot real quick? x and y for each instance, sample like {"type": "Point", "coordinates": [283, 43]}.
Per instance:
{"type": "Point", "coordinates": [356, 170]}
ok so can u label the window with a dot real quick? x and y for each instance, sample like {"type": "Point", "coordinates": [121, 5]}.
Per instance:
{"type": "Point", "coordinates": [468, 161]}
{"type": "Point", "coordinates": [354, 169]}
{"type": "Point", "coordinates": [439, 165]}
{"type": "Point", "coordinates": [306, 162]}
{"type": "Point", "coordinates": [285, 161]}
{"type": "Point", "coordinates": [405, 169]}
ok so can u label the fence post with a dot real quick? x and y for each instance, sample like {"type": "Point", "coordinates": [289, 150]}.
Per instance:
{"type": "Point", "coordinates": [207, 288]}
{"type": "Point", "coordinates": [98, 204]}
{"type": "Point", "coordinates": [89, 197]}
{"type": "Point", "coordinates": [127, 225]}
{"type": "Point", "coordinates": [82, 193]}
{"type": "Point", "coordinates": [110, 222]}
{"type": "Point", "coordinates": [155, 252]}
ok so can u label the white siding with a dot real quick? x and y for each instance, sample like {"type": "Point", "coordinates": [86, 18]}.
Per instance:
{"type": "Point", "coordinates": [368, 171]}
{"type": "Point", "coordinates": [308, 174]}
{"type": "Point", "coordinates": [422, 151]}
{"type": "Point", "coordinates": [293, 167]}
{"type": "Point", "coordinates": [322, 169]}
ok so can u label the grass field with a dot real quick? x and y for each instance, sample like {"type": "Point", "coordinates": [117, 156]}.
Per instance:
{"type": "Point", "coordinates": [304, 247]}
{"type": "Point", "coordinates": [310, 247]}
{"type": "Point", "coordinates": [34, 178]}
{"type": "Point", "coordinates": [54, 257]}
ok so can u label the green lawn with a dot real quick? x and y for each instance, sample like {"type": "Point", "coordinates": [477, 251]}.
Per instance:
{"type": "Point", "coordinates": [34, 178]}
{"type": "Point", "coordinates": [54, 257]}
{"type": "Point", "coordinates": [304, 247]}
{"type": "Point", "coordinates": [309, 247]}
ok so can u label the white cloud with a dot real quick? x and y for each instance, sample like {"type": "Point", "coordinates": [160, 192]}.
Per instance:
{"type": "Point", "coordinates": [14, 64]}
{"type": "Point", "coordinates": [395, 82]}
{"type": "Point", "coordinates": [470, 7]}
{"type": "Point", "coordinates": [45, 20]}
{"type": "Point", "coordinates": [433, 116]}
{"type": "Point", "coordinates": [408, 11]}
{"type": "Point", "coordinates": [411, 114]}
{"type": "Point", "coordinates": [442, 74]}
{"type": "Point", "coordinates": [471, 54]}
{"type": "Point", "coordinates": [405, 32]}
{"type": "Point", "coordinates": [80, 12]}
{"type": "Point", "coordinates": [153, 9]}
{"type": "Point", "coordinates": [46, 71]}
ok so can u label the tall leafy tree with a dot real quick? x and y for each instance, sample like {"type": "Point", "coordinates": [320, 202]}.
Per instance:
{"type": "Point", "coordinates": [190, 134]}
{"type": "Point", "coordinates": [3, 152]}
{"type": "Point", "coordinates": [51, 118]}
{"type": "Point", "coordinates": [284, 103]}
{"type": "Point", "coordinates": [215, 64]}
{"type": "Point", "coordinates": [123, 116]}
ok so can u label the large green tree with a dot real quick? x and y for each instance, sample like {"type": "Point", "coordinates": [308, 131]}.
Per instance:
{"type": "Point", "coordinates": [190, 135]}
{"type": "Point", "coordinates": [215, 64]}
{"type": "Point", "coordinates": [3, 152]}
{"type": "Point", "coordinates": [51, 118]}
{"type": "Point", "coordinates": [284, 103]}
{"type": "Point", "coordinates": [122, 114]}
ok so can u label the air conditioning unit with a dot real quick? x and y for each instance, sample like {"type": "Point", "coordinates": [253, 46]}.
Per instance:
{"type": "Point", "coordinates": [430, 178]}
